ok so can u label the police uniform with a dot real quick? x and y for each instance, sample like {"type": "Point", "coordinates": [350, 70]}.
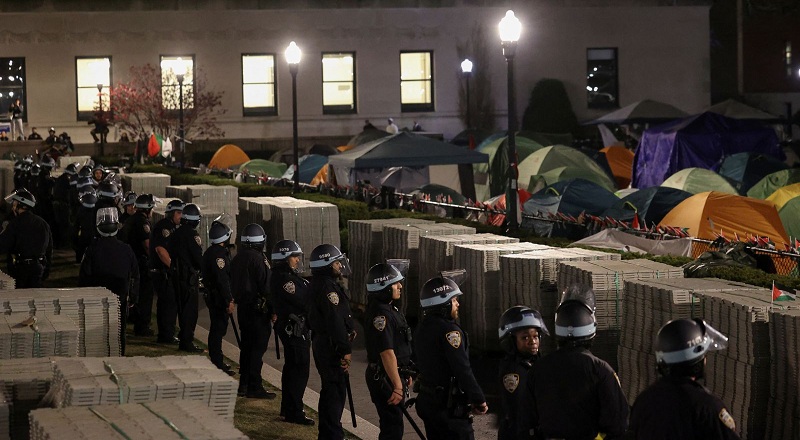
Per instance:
{"type": "Point", "coordinates": [44, 198]}
{"type": "Point", "coordinates": [84, 231]}
{"type": "Point", "coordinates": [385, 329]}
{"type": "Point", "coordinates": [166, 305]}
{"type": "Point", "coordinates": [595, 405]}
{"type": "Point", "coordinates": [290, 293]}
{"type": "Point", "coordinates": [112, 264]}
{"type": "Point", "coordinates": [217, 281]}
{"type": "Point", "coordinates": [331, 323]}
{"type": "Point", "coordinates": [61, 206]}
{"type": "Point", "coordinates": [29, 243]}
{"type": "Point", "coordinates": [184, 246]}
{"type": "Point", "coordinates": [514, 378]}
{"type": "Point", "coordinates": [249, 284]}
{"type": "Point", "coordinates": [442, 351]}
{"type": "Point", "coordinates": [136, 232]}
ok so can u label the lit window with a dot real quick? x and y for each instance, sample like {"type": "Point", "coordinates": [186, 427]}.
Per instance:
{"type": "Point", "coordinates": [12, 84]}
{"type": "Point", "coordinates": [602, 85]}
{"type": "Point", "coordinates": [416, 81]}
{"type": "Point", "coordinates": [89, 73]}
{"type": "Point", "coordinates": [259, 89]}
{"type": "Point", "coordinates": [338, 83]}
{"type": "Point", "coordinates": [172, 67]}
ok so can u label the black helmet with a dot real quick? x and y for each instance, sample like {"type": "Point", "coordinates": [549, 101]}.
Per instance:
{"type": "Point", "coordinates": [48, 162]}
{"type": "Point", "coordinates": [88, 200]}
{"type": "Point", "coordinates": [324, 255]}
{"type": "Point", "coordinates": [381, 276]}
{"type": "Point", "coordinates": [51, 130]}
{"type": "Point", "coordinates": [145, 201]}
{"type": "Point", "coordinates": [253, 236]}
{"type": "Point", "coordinates": [71, 169]}
{"type": "Point", "coordinates": [285, 249]}
{"type": "Point", "coordinates": [129, 199]}
{"type": "Point", "coordinates": [28, 159]}
{"type": "Point", "coordinates": [35, 169]}
{"type": "Point", "coordinates": [682, 344]}
{"type": "Point", "coordinates": [107, 190]}
{"type": "Point", "coordinates": [521, 317]}
{"type": "Point", "coordinates": [174, 205]}
{"type": "Point", "coordinates": [19, 165]}
{"type": "Point", "coordinates": [575, 320]}
{"type": "Point", "coordinates": [219, 232]}
{"type": "Point", "coordinates": [22, 196]}
{"type": "Point", "coordinates": [98, 167]}
{"type": "Point", "coordinates": [437, 294]}
{"type": "Point", "coordinates": [107, 221]}
{"type": "Point", "coordinates": [191, 215]}
{"type": "Point", "coordinates": [84, 182]}
{"type": "Point", "coordinates": [85, 171]}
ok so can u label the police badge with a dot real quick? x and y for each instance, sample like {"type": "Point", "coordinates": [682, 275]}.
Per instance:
{"type": "Point", "coordinates": [221, 263]}
{"type": "Point", "coordinates": [727, 420]}
{"type": "Point", "coordinates": [454, 338]}
{"type": "Point", "coordinates": [289, 288]}
{"type": "Point", "coordinates": [333, 297]}
{"type": "Point", "coordinates": [511, 382]}
{"type": "Point", "coordinates": [379, 322]}
{"type": "Point", "coordinates": [165, 233]}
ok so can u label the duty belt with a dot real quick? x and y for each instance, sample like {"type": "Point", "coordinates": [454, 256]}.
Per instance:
{"type": "Point", "coordinates": [28, 260]}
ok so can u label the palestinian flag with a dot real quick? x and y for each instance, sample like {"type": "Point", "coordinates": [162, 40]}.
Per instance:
{"type": "Point", "coordinates": [782, 293]}
{"type": "Point", "coordinates": [154, 145]}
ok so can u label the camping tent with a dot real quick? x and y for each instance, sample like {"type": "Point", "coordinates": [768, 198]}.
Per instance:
{"type": "Point", "coordinates": [471, 137]}
{"type": "Point", "coordinates": [571, 197]}
{"type": "Point", "coordinates": [641, 112]}
{"type": "Point", "coordinates": [256, 166]}
{"type": "Point", "coordinates": [559, 163]}
{"type": "Point", "coordinates": [404, 179]}
{"type": "Point", "coordinates": [227, 156]}
{"type": "Point", "coordinates": [367, 162]}
{"type": "Point", "coordinates": [771, 182]}
{"type": "Point", "coordinates": [491, 179]}
{"type": "Point", "coordinates": [787, 202]}
{"type": "Point", "coordinates": [710, 212]}
{"type": "Point", "coordinates": [748, 168]}
{"type": "Point", "coordinates": [365, 136]}
{"type": "Point", "coordinates": [697, 141]}
{"type": "Point", "coordinates": [651, 204]}
{"type": "Point", "coordinates": [697, 180]}
{"type": "Point", "coordinates": [734, 109]}
{"type": "Point", "coordinates": [620, 161]}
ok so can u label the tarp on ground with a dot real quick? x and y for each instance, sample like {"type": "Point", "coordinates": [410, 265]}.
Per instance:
{"type": "Point", "coordinates": [710, 212]}
{"type": "Point", "coordinates": [771, 182]}
{"type": "Point", "coordinates": [227, 156]}
{"type": "Point", "coordinates": [575, 164]}
{"type": "Point", "coordinates": [620, 161]}
{"type": "Point", "coordinates": [256, 166]}
{"type": "Point", "coordinates": [571, 197]}
{"type": "Point", "coordinates": [700, 141]}
{"type": "Point", "coordinates": [641, 112]}
{"type": "Point", "coordinates": [732, 108]}
{"type": "Point", "coordinates": [491, 178]}
{"type": "Point", "coordinates": [651, 204]}
{"type": "Point", "coordinates": [749, 168]}
{"type": "Point", "coordinates": [787, 202]}
{"type": "Point", "coordinates": [622, 241]}
{"type": "Point", "coordinates": [697, 180]}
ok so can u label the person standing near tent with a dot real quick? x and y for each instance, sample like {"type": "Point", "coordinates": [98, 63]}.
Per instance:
{"type": "Point", "coordinates": [392, 127]}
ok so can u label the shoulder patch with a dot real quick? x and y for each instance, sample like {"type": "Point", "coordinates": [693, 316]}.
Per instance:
{"type": "Point", "coordinates": [727, 420]}
{"type": "Point", "coordinates": [379, 322]}
{"type": "Point", "coordinates": [511, 382]}
{"type": "Point", "coordinates": [333, 297]}
{"type": "Point", "coordinates": [454, 338]}
{"type": "Point", "coordinates": [146, 228]}
{"type": "Point", "coordinates": [289, 288]}
{"type": "Point", "coordinates": [221, 263]}
{"type": "Point", "coordinates": [165, 232]}
{"type": "Point", "coordinates": [197, 240]}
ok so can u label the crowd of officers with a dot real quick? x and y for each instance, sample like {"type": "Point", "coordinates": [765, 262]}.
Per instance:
{"type": "Point", "coordinates": [567, 394]}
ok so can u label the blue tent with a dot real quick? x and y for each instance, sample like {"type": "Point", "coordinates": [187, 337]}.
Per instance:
{"type": "Point", "coordinates": [310, 164]}
{"type": "Point", "coordinates": [652, 204]}
{"type": "Point", "coordinates": [748, 168]}
{"type": "Point", "coordinates": [571, 197]}
{"type": "Point", "coordinates": [700, 141]}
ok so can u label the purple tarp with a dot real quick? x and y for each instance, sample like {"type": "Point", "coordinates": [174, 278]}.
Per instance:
{"type": "Point", "coordinates": [700, 141]}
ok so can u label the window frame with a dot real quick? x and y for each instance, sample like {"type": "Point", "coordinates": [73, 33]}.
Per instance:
{"type": "Point", "coordinates": [339, 109]}
{"type": "Point", "coordinates": [83, 115]}
{"type": "Point", "coordinates": [24, 99]}
{"type": "Point", "coordinates": [611, 105]}
{"type": "Point", "coordinates": [176, 85]}
{"type": "Point", "coordinates": [261, 111]}
{"type": "Point", "coordinates": [418, 108]}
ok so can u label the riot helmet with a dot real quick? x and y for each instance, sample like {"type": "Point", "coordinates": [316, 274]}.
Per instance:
{"type": "Point", "coordinates": [253, 237]}
{"type": "Point", "coordinates": [88, 200]}
{"type": "Point", "coordinates": [107, 190]}
{"type": "Point", "coordinates": [28, 159]}
{"type": "Point", "coordinates": [71, 169]}
{"type": "Point", "coordinates": [436, 296]}
{"type": "Point", "coordinates": [129, 199]}
{"type": "Point", "coordinates": [19, 165]}
{"type": "Point", "coordinates": [682, 344]}
{"type": "Point", "coordinates": [284, 249]}
{"type": "Point", "coordinates": [107, 221]}
{"type": "Point", "coordinates": [35, 169]}
{"type": "Point", "coordinates": [145, 201]}
{"type": "Point", "coordinates": [323, 257]}
{"type": "Point", "coordinates": [575, 320]}
{"type": "Point", "coordinates": [85, 171]}
{"type": "Point", "coordinates": [48, 163]}
{"type": "Point", "coordinates": [519, 318]}
{"type": "Point", "coordinates": [380, 281]}
{"type": "Point", "coordinates": [23, 197]}
{"type": "Point", "coordinates": [84, 184]}
{"type": "Point", "coordinates": [219, 232]}
{"type": "Point", "coordinates": [174, 205]}
{"type": "Point", "coordinates": [191, 215]}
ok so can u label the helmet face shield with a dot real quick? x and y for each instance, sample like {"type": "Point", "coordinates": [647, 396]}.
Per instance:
{"type": "Point", "coordinates": [401, 264]}
{"type": "Point", "coordinates": [344, 269]}
{"type": "Point", "coordinates": [107, 216]}
{"type": "Point", "coordinates": [714, 338]}
{"type": "Point", "coordinates": [458, 276]}
{"type": "Point", "coordinates": [582, 294]}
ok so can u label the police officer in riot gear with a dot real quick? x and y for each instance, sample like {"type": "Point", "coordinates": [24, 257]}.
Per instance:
{"type": "Point", "coordinates": [160, 262]}
{"type": "Point", "coordinates": [61, 206]}
{"type": "Point", "coordinates": [290, 293]}
{"type": "Point", "coordinates": [128, 206]}
{"type": "Point", "coordinates": [250, 273]}
{"type": "Point", "coordinates": [388, 348]}
{"type": "Point", "coordinates": [333, 331]}
{"type": "Point", "coordinates": [107, 195]}
{"type": "Point", "coordinates": [185, 247]}
{"type": "Point", "coordinates": [677, 405]}
{"type": "Point", "coordinates": [217, 282]}
{"type": "Point", "coordinates": [448, 391]}
{"type": "Point", "coordinates": [596, 404]}
{"type": "Point", "coordinates": [520, 332]}
{"type": "Point", "coordinates": [28, 241]}
{"type": "Point", "coordinates": [85, 229]}
{"type": "Point", "coordinates": [110, 263]}
{"type": "Point", "coordinates": [136, 233]}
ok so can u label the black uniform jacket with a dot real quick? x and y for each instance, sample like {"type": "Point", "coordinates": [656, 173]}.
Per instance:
{"type": "Point", "coordinates": [329, 314]}
{"type": "Point", "coordinates": [217, 275]}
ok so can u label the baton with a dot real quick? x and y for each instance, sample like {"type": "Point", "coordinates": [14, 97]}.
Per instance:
{"type": "Point", "coordinates": [235, 330]}
{"type": "Point", "coordinates": [350, 398]}
{"type": "Point", "coordinates": [277, 342]}
{"type": "Point", "coordinates": [404, 408]}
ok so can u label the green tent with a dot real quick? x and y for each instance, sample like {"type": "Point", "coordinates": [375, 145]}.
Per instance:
{"type": "Point", "coordinates": [787, 202]}
{"type": "Point", "coordinates": [698, 180]}
{"type": "Point", "coordinates": [771, 182]}
{"type": "Point", "coordinates": [491, 179]}
{"type": "Point", "coordinates": [558, 163]}
{"type": "Point", "coordinates": [256, 166]}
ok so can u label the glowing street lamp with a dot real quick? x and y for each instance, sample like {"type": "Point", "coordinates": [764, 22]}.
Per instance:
{"type": "Point", "coordinates": [466, 70]}
{"type": "Point", "coordinates": [293, 55]}
{"type": "Point", "coordinates": [510, 30]}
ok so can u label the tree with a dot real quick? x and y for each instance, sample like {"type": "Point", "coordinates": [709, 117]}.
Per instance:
{"type": "Point", "coordinates": [481, 101]}
{"type": "Point", "coordinates": [140, 105]}
{"type": "Point", "coordinates": [549, 109]}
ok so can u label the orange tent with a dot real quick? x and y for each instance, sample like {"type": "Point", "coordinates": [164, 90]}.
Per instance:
{"type": "Point", "coordinates": [712, 211]}
{"type": "Point", "coordinates": [620, 160]}
{"type": "Point", "coordinates": [227, 156]}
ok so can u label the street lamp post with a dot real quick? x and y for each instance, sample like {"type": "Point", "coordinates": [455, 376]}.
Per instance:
{"type": "Point", "coordinates": [466, 69]}
{"type": "Point", "coordinates": [293, 55]}
{"type": "Point", "coordinates": [510, 29]}
{"type": "Point", "coordinates": [100, 115]}
{"type": "Point", "coordinates": [181, 144]}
